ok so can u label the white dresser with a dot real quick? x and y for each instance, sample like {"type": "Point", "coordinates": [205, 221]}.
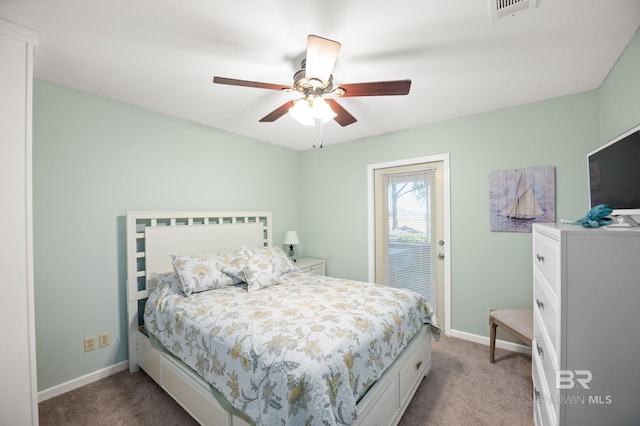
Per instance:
{"type": "Point", "coordinates": [586, 347]}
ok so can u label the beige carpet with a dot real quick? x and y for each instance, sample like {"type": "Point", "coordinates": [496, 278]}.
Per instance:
{"type": "Point", "coordinates": [463, 388]}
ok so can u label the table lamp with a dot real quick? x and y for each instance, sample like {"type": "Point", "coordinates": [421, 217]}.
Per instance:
{"type": "Point", "coordinates": [291, 238]}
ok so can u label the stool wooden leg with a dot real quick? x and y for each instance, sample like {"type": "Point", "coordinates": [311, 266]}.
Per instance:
{"type": "Point", "coordinates": [492, 341]}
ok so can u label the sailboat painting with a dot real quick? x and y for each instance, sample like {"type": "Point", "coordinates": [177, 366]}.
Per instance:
{"type": "Point", "coordinates": [521, 197]}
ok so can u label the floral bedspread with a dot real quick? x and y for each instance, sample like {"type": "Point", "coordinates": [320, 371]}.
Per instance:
{"type": "Point", "coordinates": [300, 353]}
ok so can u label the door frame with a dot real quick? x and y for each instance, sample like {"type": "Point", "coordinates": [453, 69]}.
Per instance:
{"type": "Point", "coordinates": [371, 168]}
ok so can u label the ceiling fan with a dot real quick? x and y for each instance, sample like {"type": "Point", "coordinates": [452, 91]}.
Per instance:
{"type": "Point", "coordinates": [315, 82]}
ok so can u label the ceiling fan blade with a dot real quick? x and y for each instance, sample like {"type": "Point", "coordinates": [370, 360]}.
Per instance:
{"type": "Point", "coordinates": [343, 117]}
{"type": "Point", "coordinates": [321, 57]}
{"type": "Point", "coordinates": [246, 83]}
{"type": "Point", "coordinates": [378, 88]}
{"type": "Point", "coordinates": [277, 113]}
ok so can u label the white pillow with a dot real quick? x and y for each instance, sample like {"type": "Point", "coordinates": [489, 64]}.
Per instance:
{"type": "Point", "coordinates": [259, 276]}
{"type": "Point", "coordinates": [272, 259]}
{"type": "Point", "coordinates": [201, 272]}
{"type": "Point", "coordinates": [282, 263]}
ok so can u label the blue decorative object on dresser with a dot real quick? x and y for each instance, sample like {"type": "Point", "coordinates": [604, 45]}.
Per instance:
{"type": "Point", "coordinates": [596, 217]}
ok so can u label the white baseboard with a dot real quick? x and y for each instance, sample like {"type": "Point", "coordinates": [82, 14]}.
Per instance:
{"type": "Point", "coordinates": [503, 344]}
{"type": "Point", "coordinates": [81, 381]}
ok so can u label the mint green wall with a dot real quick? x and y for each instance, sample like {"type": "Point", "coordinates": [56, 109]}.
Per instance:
{"type": "Point", "coordinates": [619, 94]}
{"type": "Point", "coordinates": [489, 269]}
{"type": "Point", "coordinates": [93, 160]}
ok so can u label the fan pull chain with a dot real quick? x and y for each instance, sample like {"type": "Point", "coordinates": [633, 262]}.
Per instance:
{"type": "Point", "coordinates": [317, 132]}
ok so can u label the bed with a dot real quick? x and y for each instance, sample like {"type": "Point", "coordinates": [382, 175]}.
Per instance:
{"type": "Point", "coordinates": [234, 356]}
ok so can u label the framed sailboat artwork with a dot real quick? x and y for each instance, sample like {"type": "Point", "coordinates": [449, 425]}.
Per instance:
{"type": "Point", "coordinates": [520, 197]}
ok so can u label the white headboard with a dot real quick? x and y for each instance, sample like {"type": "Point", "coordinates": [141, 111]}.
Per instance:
{"type": "Point", "coordinates": [153, 236]}
{"type": "Point", "coordinates": [163, 241]}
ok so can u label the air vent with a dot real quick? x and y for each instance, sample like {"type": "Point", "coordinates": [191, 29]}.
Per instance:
{"type": "Point", "coordinates": [506, 8]}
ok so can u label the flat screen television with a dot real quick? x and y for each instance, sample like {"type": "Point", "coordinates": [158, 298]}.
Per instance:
{"type": "Point", "coordinates": [614, 177]}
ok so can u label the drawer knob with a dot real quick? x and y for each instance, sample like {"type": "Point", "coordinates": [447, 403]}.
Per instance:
{"type": "Point", "coordinates": [540, 350]}
{"type": "Point", "coordinates": [418, 364]}
{"type": "Point", "coordinates": [540, 258]}
{"type": "Point", "coordinates": [540, 304]}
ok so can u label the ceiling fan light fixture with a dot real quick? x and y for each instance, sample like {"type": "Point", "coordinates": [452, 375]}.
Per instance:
{"type": "Point", "coordinates": [314, 80]}
{"type": "Point", "coordinates": [306, 111]}
{"type": "Point", "coordinates": [322, 110]}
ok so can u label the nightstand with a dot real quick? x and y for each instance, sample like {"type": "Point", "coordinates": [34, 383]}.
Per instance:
{"type": "Point", "coordinates": [310, 265]}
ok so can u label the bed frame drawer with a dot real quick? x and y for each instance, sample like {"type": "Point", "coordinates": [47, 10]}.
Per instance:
{"type": "Point", "coordinates": [385, 404]}
{"type": "Point", "coordinates": [148, 359]}
{"type": "Point", "coordinates": [385, 410]}
{"type": "Point", "coordinates": [412, 372]}
{"type": "Point", "coordinates": [197, 400]}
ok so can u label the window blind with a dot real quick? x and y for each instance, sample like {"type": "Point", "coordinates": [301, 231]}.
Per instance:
{"type": "Point", "coordinates": [407, 229]}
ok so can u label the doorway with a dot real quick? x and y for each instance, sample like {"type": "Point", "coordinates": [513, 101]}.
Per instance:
{"type": "Point", "coordinates": [409, 228]}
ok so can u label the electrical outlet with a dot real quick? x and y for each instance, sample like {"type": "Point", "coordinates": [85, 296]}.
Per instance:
{"type": "Point", "coordinates": [89, 343]}
{"type": "Point", "coordinates": [104, 339]}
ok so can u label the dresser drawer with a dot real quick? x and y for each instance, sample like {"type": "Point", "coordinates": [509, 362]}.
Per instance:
{"type": "Point", "coordinates": [545, 260]}
{"type": "Point", "coordinates": [316, 270]}
{"type": "Point", "coordinates": [311, 266]}
{"type": "Point", "coordinates": [546, 306]}
{"type": "Point", "coordinates": [540, 350]}
{"type": "Point", "coordinates": [537, 415]}
{"type": "Point", "coordinates": [544, 413]}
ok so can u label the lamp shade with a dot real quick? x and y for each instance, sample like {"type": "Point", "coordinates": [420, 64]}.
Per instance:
{"type": "Point", "coordinates": [305, 112]}
{"type": "Point", "coordinates": [291, 237]}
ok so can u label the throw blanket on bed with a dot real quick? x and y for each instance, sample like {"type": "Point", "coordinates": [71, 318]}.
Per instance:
{"type": "Point", "coordinates": [298, 353]}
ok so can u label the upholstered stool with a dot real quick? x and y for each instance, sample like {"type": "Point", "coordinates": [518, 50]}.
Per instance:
{"type": "Point", "coordinates": [518, 322]}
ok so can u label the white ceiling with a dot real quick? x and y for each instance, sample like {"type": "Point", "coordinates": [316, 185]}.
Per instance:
{"type": "Point", "coordinates": [162, 55]}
